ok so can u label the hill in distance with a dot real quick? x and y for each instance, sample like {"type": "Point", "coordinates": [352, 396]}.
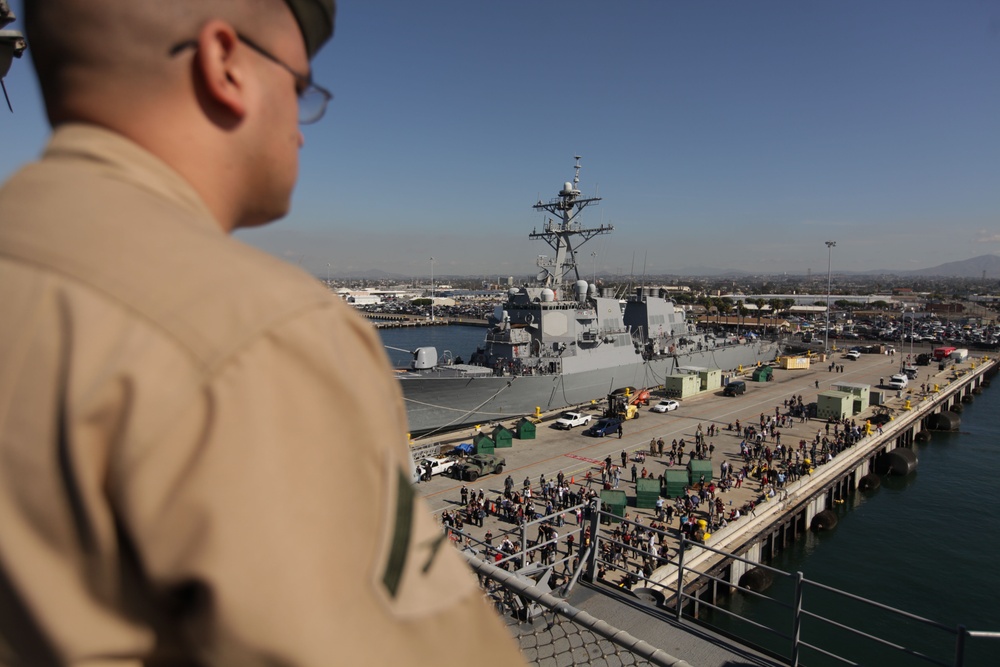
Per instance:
{"type": "Point", "coordinates": [973, 267]}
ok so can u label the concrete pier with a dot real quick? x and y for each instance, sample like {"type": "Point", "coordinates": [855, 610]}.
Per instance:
{"type": "Point", "coordinates": [779, 522]}
{"type": "Point", "coordinates": [774, 524]}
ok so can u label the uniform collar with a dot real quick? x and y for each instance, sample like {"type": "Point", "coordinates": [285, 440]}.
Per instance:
{"type": "Point", "coordinates": [127, 161]}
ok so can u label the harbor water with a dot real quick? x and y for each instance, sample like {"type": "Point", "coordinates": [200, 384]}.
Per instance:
{"type": "Point", "coordinates": [459, 340]}
{"type": "Point", "coordinates": [926, 544]}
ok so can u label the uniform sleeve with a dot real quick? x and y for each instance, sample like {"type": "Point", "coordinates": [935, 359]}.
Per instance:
{"type": "Point", "coordinates": [276, 520]}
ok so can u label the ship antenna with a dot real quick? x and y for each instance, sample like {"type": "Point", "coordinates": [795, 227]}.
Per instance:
{"type": "Point", "coordinates": [564, 233]}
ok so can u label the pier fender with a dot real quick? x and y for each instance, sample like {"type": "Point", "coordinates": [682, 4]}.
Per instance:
{"type": "Point", "coordinates": [944, 421]}
{"type": "Point", "coordinates": [923, 436]}
{"type": "Point", "coordinates": [757, 580]}
{"type": "Point", "coordinates": [649, 595]}
{"type": "Point", "coordinates": [825, 520]}
{"type": "Point", "coordinates": [869, 482]}
{"type": "Point", "coordinates": [967, 399]}
{"type": "Point", "coordinates": [957, 408]}
{"type": "Point", "coordinates": [900, 461]}
{"type": "Point", "coordinates": [977, 391]}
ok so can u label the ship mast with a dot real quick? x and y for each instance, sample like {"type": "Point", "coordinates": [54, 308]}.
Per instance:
{"type": "Point", "coordinates": [560, 233]}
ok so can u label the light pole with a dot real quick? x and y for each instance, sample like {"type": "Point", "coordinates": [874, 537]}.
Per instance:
{"type": "Point", "coordinates": [913, 325]}
{"type": "Point", "coordinates": [328, 267]}
{"type": "Point", "coordinates": [829, 283]}
{"type": "Point", "coordinates": [432, 289]}
{"type": "Point", "coordinates": [594, 255]}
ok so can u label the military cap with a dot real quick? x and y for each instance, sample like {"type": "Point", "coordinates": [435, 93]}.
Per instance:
{"type": "Point", "coordinates": [315, 18]}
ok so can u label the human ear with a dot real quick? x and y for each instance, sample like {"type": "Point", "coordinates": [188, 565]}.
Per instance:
{"type": "Point", "coordinates": [222, 69]}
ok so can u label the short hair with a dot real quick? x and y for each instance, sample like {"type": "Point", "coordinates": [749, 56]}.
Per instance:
{"type": "Point", "coordinates": [84, 43]}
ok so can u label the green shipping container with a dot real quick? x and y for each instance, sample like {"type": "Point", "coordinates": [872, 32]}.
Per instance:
{"type": "Point", "coordinates": [647, 492]}
{"type": "Point", "coordinates": [483, 444]}
{"type": "Point", "coordinates": [503, 437]}
{"type": "Point", "coordinates": [698, 468]}
{"type": "Point", "coordinates": [676, 479]}
{"type": "Point", "coordinates": [525, 429]}
{"type": "Point", "coordinates": [614, 502]}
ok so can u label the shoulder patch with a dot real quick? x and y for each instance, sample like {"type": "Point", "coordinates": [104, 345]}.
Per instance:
{"type": "Point", "coordinates": [400, 545]}
{"type": "Point", "coordinates": [416, 571]}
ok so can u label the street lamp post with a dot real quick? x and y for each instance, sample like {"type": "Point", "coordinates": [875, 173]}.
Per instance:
{"type": "Point", "coordinates": [913, 326]}
{"type": "Point", "coordinates": [328, 267]}
{"type": "Point", "coordinates": [829, 282]}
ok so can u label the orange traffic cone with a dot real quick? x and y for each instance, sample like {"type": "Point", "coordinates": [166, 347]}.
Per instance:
{"type": "Point", "coordinates": [571, 480]}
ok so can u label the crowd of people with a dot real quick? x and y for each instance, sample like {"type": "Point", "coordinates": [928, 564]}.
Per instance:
{"type": "Point", "coordinates": [638, 545]}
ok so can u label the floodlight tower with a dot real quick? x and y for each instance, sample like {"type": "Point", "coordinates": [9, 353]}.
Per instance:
{"type": "Point", "coordinates": [829, 282]}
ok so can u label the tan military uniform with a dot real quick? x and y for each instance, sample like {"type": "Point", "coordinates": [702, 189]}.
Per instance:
{"type": "Point", "coordinates": [202, 453]}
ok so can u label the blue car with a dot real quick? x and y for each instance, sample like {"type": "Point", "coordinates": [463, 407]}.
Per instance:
{"type": "Point", "coordinates": [604, 427]}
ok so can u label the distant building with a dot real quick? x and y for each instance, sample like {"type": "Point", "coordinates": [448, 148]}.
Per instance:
{"type": "Point", "coordinates": [359, 297]}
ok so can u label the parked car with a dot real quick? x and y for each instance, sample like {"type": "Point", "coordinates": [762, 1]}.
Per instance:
{"type": "Point", "coordinates": [853, 355]}
{"type": "Point", "coordinates": [570, 419]}
{"type": "Point", "coordinates": [604, 427]}
{"type": "Point", "coordinates": [898, 382]}
{"type": "Point", "coordinates": [735, 388]}
{"type": "Point", "coordinates": [478, 465]}
{"type": "Point", "coordinates": [665, 406]}
{"type": "Point", "coordinates": [434, 465]}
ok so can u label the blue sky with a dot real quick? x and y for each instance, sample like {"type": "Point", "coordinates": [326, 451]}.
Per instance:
{"type": "Point", "coordinates": [737, 134]}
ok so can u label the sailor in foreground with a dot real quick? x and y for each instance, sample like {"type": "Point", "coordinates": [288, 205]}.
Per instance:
{"type": "Point", "coordinates": [177, 409]}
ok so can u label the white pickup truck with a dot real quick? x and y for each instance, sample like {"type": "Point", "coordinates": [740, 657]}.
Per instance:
{"type": "Point", "coordinates": [434, 465]}
{"type": "Point", "coordinates": [570, 419]}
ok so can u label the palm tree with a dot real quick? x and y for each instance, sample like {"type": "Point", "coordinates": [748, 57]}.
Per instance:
{"type": "Point", "coordinates": [741, 312]}
{"type": "Point", "coordinates": [725, 303]}
{"type": "Point", "coordinates": [760, 306]}
{"type": "Point", "coordinates": [706, 302]}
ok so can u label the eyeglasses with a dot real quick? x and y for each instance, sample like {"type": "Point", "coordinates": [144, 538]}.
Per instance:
{"type": "Point", "coordinates": [313, 99]}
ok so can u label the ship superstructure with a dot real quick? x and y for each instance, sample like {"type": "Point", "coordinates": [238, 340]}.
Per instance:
{"type": "Point", "coordinates": [563, 341]}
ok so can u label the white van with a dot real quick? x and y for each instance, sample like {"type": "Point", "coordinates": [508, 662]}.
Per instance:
{"type": "Point", "coordinates": [898, 382]}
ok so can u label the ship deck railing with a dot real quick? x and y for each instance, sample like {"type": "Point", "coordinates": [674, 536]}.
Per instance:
{"type": "Point", "coordinates": [524, 606]}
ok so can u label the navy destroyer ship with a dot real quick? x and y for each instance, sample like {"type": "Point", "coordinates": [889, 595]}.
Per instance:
{"type": "Point", "coordinates": [563, 341]}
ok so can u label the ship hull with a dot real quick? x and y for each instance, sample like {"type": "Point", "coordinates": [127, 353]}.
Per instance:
{"type": "Point", "coordinates": [436, 400]}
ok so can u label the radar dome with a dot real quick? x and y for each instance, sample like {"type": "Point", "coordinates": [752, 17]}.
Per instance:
{"type": "Point", "coordinates": [548, 296]}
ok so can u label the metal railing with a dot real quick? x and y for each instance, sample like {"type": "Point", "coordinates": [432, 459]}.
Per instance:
{"type": "Point", "coordinates": [524, 604]}
{"type": "Point", "coordinates": [511, 597]}
{"type": "Point", "coordinates": [688, 579]}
